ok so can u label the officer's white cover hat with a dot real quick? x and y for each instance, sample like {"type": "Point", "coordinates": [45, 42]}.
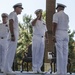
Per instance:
{"type": "Point", "coordinates": [38, 10]}
{"type": "Point", "coordinates": [4, 15]}
{"type": "Point", "coordinates": [18, 5]}
{"type": "Point", "coordinates": [60, 5]}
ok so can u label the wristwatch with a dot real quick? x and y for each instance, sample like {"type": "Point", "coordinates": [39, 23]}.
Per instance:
{"type": "Point", "coordinates": [12, 35]}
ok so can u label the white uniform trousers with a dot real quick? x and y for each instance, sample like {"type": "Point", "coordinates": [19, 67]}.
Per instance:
{"type": "Point", "coordinates": [37, 52]}
{"type": "Point", "coordinates": [3, 51]}
{"type": "Point", "coordinates": [62, 40]}
{"type": "Point", "coordinates": [11, 54]}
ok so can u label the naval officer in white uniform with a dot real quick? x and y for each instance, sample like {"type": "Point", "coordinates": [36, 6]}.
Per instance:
{"type": "Point", "coordinates": [61, 37]}
{"type": "Point", "coordinates": [38, 41]}
{"type": "Point", "coordinates": [13, 37]}
{"type": "Point", "coordinates": [4, 31]}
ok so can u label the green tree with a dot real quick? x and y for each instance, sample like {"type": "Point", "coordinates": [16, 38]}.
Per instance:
{"type": "Point", "coordinates": [71, 44]}
{"type": "Point", "coordinates": [44, 15]}
{"type": "Point", "coordinates": [71, 50]}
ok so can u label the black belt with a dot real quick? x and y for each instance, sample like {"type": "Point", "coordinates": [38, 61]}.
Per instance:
{"type": "Point", "coordinates": [2, 37]}
{"type": "Point", "coordinates": [42, 36]}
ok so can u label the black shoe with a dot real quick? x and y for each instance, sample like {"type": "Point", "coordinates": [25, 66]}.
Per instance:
{"type": "Point", "coordinates": [1, 71]}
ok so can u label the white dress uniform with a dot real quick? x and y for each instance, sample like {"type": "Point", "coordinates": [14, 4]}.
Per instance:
{"type": "Point", "coordinates": [62, 39]}
{"type": "Point", "coordinates": [38, 45]}
{"type": "Point", "coordinates": [4, 31]}
{"type": "Point", "coordinates": [12, 44]}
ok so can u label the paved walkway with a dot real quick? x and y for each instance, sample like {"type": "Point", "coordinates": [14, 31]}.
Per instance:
{"type": "Point", "coordinates": [31, 73]}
